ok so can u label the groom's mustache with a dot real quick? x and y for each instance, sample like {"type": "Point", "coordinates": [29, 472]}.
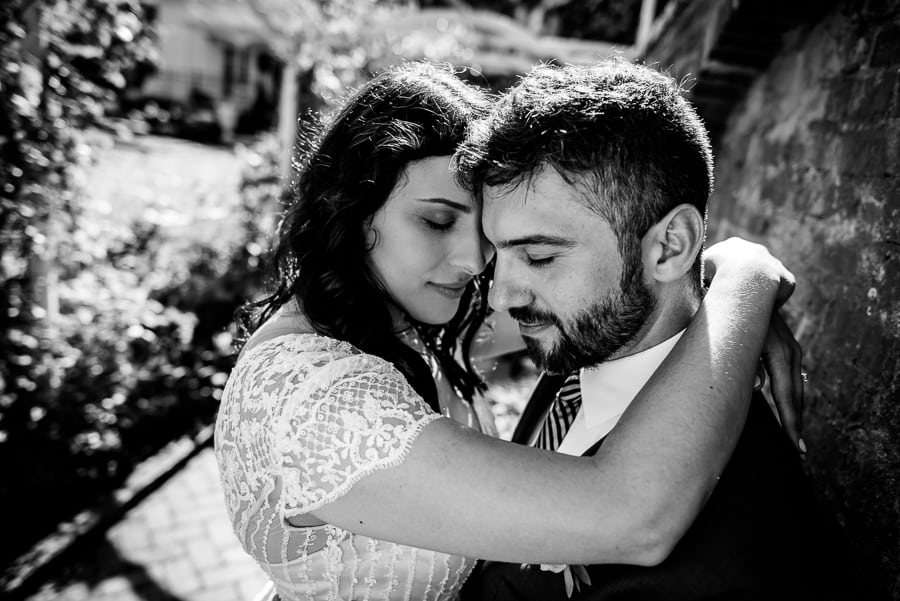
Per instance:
{"type": "Point", "coordinates": [530, 315]}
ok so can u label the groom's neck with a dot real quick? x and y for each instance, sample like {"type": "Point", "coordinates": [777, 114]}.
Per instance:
{"type": "Point", "coordinates": [672, 314]}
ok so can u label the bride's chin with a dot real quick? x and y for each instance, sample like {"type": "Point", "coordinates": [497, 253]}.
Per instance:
{"type": "Point", "coordinates": [434, 320]}
{"type": "Point", "coordinates": [433, 316]}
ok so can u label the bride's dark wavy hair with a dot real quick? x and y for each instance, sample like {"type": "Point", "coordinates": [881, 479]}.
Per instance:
{"type": "Point", "coordinates": [359, 155]}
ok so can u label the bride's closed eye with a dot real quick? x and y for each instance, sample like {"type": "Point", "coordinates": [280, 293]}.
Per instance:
{"type": "Point", "coordinates": [439, 222]}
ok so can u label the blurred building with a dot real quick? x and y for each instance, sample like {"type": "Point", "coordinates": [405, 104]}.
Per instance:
{"type": "Point", "coordinates": [217, 67]}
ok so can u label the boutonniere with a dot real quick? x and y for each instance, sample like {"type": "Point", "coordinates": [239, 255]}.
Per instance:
{"type": "Point", "coordinates": [573, 575]}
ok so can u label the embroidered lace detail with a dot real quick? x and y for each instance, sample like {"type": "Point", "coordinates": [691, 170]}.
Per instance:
{"type": "Point", "coordinates": [302, 419]}
{"type": "Point", "coordinates": [356, 416]}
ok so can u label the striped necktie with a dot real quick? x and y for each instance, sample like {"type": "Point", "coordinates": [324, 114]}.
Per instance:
{"type": "Point", "coordinates": [562, 414]}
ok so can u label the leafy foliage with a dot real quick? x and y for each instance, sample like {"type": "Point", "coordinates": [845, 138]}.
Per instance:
{"type": "Point", "coordinates": [605, 20]}
{"type": "Point", "coordinates": [59, 65]}
{"type": "Point", "coordinates": [138, 351]}
{"type": "Point", "coordinates": [324, 39]}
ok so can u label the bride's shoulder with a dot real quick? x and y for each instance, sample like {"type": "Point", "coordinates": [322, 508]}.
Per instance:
{"type": "Point", "coordinates": [310, 353]}
{"type": "Point", "coordinates": [297, 347]}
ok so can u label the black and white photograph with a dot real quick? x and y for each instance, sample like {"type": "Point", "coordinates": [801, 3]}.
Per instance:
{"type": "Point", "coordinates": [450, 300]}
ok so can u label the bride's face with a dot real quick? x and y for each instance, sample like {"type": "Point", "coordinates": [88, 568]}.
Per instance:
{"type": "Point", "coordinates": [428, 243]}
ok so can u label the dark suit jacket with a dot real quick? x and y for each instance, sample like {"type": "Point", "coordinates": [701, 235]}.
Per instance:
{"type": "Point", "coordinates": [760, 536]}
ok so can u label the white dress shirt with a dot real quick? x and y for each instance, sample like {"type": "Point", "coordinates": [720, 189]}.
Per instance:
{"type": "Point", "coordinates": [607, 390]}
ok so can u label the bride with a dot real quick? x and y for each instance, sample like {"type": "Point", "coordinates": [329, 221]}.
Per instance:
{"type": "Point", "coordinates": [351, 436]}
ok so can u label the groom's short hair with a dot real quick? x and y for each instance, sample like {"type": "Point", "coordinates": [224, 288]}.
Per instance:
{"type": "Point", "coordinates": [623, 133]}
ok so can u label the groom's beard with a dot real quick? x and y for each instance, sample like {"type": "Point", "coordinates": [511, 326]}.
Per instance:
{"type": "Point", "coordinates": [595, 333]}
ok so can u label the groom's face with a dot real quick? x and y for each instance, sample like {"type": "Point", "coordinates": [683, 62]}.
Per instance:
{"type": "Point", "coordinates": [560, 275]}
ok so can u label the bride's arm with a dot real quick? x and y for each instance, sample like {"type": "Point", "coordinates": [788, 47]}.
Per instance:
{"type": "Point", "coordinates": [465, 493]}
{"type": "Point", "coordinates": [782, 354]}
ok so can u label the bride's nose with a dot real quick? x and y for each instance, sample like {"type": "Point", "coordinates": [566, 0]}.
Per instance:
{"type": "Point", "coordinates": [471, 253]}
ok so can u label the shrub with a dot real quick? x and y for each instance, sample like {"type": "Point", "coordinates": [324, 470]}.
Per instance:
{"type": "Point", "coordinates": [138, 351]}
{"type": "Point", "coordinates": [138, 355]}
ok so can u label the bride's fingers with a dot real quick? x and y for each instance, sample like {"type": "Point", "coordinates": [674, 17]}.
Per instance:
{"type": "Point", "coordinates": [760, 381]}
{"type": "Point", "coordinates": [781, 357]}
{"type": "Point", "coordinates": [799, 381]}
{"type": "Point", "coordinates": [795, 352]}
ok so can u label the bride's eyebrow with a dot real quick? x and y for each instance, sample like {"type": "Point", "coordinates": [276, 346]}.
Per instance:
{"type": "Point", "coordinates": [465, 208]}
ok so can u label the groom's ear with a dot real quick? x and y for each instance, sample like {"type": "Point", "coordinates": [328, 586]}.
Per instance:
{"type": "Point", "coordinates": [671, 246]}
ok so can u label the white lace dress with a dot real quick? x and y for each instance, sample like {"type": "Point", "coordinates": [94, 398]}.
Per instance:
{"type": "Point", "coordinates": [303, 417]}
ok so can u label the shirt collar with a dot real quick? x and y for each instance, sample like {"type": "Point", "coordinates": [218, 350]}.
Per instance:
{"type": "Point", "coordinates": [607, 389]}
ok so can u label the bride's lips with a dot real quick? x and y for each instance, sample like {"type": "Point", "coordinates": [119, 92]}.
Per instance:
{"type": "Point", "coordinates": [453, 291]}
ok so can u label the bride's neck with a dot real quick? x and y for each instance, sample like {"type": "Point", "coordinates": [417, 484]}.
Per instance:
{"type": "Point", "coordinates": [290, 316]}
{"type": "Point", "coordinates": [399, 319]}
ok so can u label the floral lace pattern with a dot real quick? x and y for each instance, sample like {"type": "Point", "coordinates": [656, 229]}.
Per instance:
{"type": "Point", "coordinates": [302, 419]}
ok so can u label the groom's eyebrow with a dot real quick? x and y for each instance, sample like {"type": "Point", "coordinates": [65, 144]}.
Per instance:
{"type": "Point", "coordinates": [450, 203]}
{"type": "Point", "coordinates": [537, 240]}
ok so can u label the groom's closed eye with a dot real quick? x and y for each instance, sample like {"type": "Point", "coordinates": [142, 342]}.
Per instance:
{"type": "Point", "coordinates": [539, 261]}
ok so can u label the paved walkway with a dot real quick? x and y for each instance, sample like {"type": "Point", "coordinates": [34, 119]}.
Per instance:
{"type": "Point", "coordinates": [176, 545]}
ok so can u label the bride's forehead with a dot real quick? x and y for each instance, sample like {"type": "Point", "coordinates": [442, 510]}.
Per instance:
{"type": "Point", "coordinates": [431, 178]}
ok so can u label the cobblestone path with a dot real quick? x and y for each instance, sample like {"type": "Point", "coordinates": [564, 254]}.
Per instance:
{"type": "Point", "coordinates": [176, 545]}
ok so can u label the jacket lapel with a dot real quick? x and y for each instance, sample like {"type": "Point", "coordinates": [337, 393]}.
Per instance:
{"type": "Point", "coordinates": [537, 408]}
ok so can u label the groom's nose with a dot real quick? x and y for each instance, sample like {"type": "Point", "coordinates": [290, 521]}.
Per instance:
{"type": "Point", "coordinates": [507, 291]}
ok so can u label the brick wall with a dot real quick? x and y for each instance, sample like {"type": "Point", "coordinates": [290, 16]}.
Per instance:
{"type": "Point", "coordinates": [808, 162]}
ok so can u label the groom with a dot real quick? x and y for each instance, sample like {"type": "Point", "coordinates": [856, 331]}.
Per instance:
{"type": "Point", "coordinates": [595, 181]}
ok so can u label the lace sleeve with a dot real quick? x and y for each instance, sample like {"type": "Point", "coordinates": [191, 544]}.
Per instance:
{"type": "Point", "coordinates": [357, 415]}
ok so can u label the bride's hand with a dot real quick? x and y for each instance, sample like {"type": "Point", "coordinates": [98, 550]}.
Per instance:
{"type": "Point", "coordinates": [737, 253]}
{"type": "Point", "coordinates": [781, 358]}
{"type": "Point", "coordinates": [781, 354]}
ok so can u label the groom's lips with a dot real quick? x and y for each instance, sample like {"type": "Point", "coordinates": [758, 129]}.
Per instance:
{"type": "Point", "coordinates": [532, 329]}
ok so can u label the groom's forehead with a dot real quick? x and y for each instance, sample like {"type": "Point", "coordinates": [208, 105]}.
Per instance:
{"type": "Point", "coordinates": [533, 192]}
{"type": "Point", "coordinates": [549, 199]}
{"type": "Point", "coordinates": [511, 224]}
